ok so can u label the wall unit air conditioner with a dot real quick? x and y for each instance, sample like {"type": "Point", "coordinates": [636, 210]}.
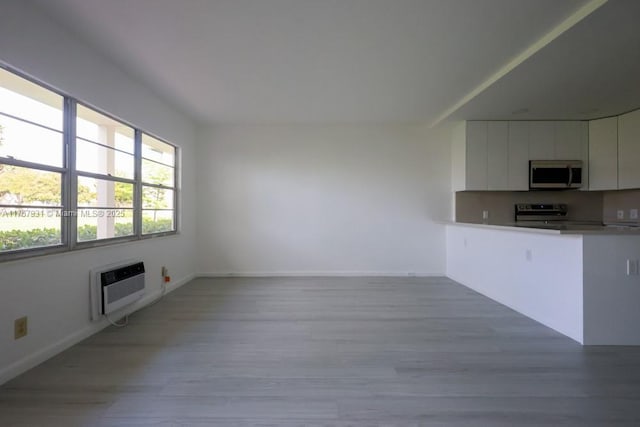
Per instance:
{"type": "Point", "coordinates": [115, 286]}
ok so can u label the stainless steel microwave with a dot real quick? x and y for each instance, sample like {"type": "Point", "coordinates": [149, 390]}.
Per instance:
{"type": "Point", "coordinates": [555, 174]}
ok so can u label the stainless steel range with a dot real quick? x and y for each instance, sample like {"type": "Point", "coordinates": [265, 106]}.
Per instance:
{"type": "Point", "coordinates": [540, 212]}
{"type": "Point", "coordinates": [550, 216]}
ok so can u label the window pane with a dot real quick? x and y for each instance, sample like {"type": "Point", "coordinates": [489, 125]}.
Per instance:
{"type": "Point", "coordinates": [23, 228]}
{"type": "Point", "coordinates": [24, 141]}
{"type": "Point", "coordinates": [154, 149]}
{"type": "Point", "coordinates": [103, 193]}
{"type": "Point", "coordinates": [156, 198]}
{"type": "Point", "coordinates": [24, 186]}
{"type": "Point", "coordinates": [95, 224]}
{"type": "Point", "coordinates": [104, 130]}
{"type": "Point", "coordinates": [157, 221]}
{"type": "Point", "coordinates": [95, 158]}
{"type": "Point", "coordinates": [21, 98]}
{"type": "Point", "coordinates": [155, 173]}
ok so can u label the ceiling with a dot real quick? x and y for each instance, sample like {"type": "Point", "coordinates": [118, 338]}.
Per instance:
{"type": "Point", "coordinates": [371, 61]}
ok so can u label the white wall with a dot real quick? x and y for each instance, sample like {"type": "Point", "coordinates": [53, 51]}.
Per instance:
{"type": "Point", "coordinates": [323, 200]}
{"type": "Point", "coordinates": [54, 290]}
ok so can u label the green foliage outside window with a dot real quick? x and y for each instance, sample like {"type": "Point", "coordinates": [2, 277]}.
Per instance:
{"type": "Point", "coordinates": [31, 186]}
{"type": "Point", "coordinates": [19, 239]}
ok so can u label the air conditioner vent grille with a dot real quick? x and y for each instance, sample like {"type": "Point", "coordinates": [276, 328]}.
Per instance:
{"type": "Point", "coordinates": [116, 286]}
{"type": "Point", "coordinates": [124, 288]}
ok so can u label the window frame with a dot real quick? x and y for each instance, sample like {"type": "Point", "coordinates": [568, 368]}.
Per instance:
{"type": "Point", "coordinates": [174, 188]}
{"type": "Point", "coordinates": [69, 181]}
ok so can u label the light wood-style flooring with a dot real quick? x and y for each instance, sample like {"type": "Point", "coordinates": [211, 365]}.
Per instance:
{"type": "Point", "coordinates": [328, 352]}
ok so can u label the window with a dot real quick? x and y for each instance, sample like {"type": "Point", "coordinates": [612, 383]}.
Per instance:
{"type": "Point", "coordinates": [158, 185]}
{"type": "Point", "coordinates": [71, 176]}
{"type": "Point", "coordinates": [31, 165]}
{"type": "Point", "coordinates": [105, 164]}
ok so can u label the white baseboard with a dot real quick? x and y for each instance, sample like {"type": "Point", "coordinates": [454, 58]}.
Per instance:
{"type": "Point", "coordinates": [325, 273]}
{"type": "Point", "coordinates": [147, 299]}
{"type": "Point", "coordinates": [48, 352]}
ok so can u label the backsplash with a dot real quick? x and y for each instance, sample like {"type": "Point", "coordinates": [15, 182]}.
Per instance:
{"type": "Point", "coordinates": [624, 200]}
{"type": "Point", "coordinates": [582, 205]}
{"type": "Point", "coordinates": [596, 206]}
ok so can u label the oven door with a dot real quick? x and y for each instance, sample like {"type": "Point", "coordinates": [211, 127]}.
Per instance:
{"type": "Point", "coordinates": [555, 174]}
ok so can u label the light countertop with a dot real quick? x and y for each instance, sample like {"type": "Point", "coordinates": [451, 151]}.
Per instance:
{"type": "Point", "coordinates": [557, 229]}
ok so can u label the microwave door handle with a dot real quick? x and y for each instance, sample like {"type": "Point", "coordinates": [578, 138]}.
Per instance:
{"type": "Point", "coordinates": [570, 176]}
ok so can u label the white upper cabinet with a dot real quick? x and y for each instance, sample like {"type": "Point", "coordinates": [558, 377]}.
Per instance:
{"type": "Point", "coordinates": [476, 156]}
{"type": "Point", "coordinates": [518, 155]}
{"type": "Point", "coordinates": [569, 140]}
{"type": "Point", "coordinates": [542, 141]}
{"type": "Point", "coordinates": [629, 150]}
{"type": "Point", "coordinates": [603, 154]}
{"type": "Point", "coordinates": [497, 155]}
{"type": "Point", "coordinates": [560, 140]}
{"type": "Point", "coordinates": [486, 155]}
{"type": "Point", "coordinates": [614, 152]}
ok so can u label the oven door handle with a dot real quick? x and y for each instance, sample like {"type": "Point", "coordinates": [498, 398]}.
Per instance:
{"type": "Point", "coordinates": [570, 176]}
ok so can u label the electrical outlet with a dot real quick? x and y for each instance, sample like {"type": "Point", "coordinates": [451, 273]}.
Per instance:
{"type": "Point", "coordinates": [620, 214]}
{"type": "Point", "coordinates": [20, 328]}
{"type": "Point", "coordinates": [165, 271]}
{"type": "Point", "coordinates": [633, 213]}
{"type": "Point", "coordinates": [485, 215]}
{"type": "Point", "coordinates": [528, 254]}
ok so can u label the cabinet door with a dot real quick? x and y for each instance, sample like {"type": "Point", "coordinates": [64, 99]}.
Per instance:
{"type": "Point", "coordinates": [603, 154]}
{"type": "Point", "coordinates": [497, 155]}
{"type": "Point", "coordinates": [568, 140]}
{"type": "Point", "coordinates": [542, 141]}
{"type": "Point", "coordinates": [476, 168]}
{"type": "Point", "coordinates": [584, 142]}
{"type": "Point", "coordinates": [518, 168]}
{"type": "Point", "coordinates": [629, 150]}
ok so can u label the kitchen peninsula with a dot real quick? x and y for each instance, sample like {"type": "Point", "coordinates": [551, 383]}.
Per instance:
{"type": "Point", "coordinates": [583, 283]}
